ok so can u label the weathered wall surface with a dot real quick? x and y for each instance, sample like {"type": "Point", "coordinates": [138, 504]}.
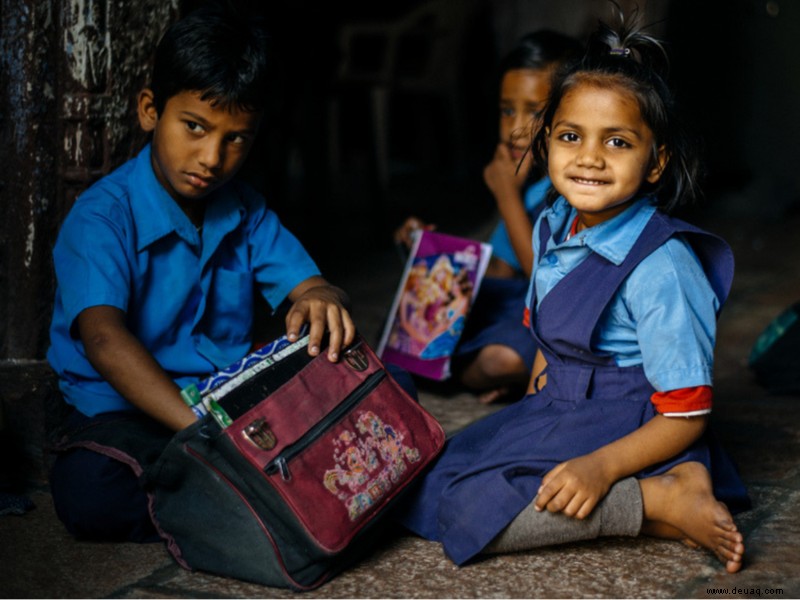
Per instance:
{"type": "Point", "coordinates": [70, 73]}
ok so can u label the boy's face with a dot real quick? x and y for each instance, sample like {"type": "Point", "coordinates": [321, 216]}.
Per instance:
{"type": "Point", "coordinates": [196, 147]}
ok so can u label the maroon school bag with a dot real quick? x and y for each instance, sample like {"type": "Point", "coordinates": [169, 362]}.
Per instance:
{"type": "Point", "coordinates": [289, 477]}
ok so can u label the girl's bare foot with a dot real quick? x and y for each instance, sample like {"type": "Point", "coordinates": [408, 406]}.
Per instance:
{"type": "Point", "coordinates": [680, 505]}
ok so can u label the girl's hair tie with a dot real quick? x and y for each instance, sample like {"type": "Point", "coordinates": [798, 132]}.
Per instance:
{"type": "Point", "coordinates": [620, 52]}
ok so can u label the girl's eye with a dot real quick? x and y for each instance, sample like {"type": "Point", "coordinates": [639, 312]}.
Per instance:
{"type": "Point", "coordinates": [618, 143]}
{"type": "Point", "coordinates": [507, 112]}
{"type": "Point", "coordinates": [237, 139]}
{"type": "Point", "coordinates": [569, 137]}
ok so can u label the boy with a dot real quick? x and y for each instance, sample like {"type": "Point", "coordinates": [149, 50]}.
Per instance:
{"type": "Point", "coordinates": [157, 265]}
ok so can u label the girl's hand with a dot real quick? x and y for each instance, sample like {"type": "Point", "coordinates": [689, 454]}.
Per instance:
{"type": "Point", "coordinates": [505, 176]}
{"type": "Point", "coordinates": [574, 487]}
{"type": "Point", "coordinates": [402, 235]}
{"type": "Point", "coordinates": [322, 306]}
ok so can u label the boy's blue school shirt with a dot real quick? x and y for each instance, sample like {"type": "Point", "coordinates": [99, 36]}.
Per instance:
{"type": "Point", "coordinates": [127, 244]}
{"type": "Point", "coordinates": [501, 244]}
{"type": "Point", "coordinates": [664, 314]}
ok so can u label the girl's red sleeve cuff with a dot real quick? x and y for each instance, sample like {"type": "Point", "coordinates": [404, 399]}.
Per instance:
{"type": "Point", "coordinates": [683, 402]}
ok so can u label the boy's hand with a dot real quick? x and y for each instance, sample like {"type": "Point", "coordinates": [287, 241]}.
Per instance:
{"type": "Point", "coordinates": [574, 487]}
{"type": "Point", "coordinates": [322, 306]}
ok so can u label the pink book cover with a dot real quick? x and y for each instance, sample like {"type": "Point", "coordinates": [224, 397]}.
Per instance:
{"type": "Point", "coordinates": [438, 287]}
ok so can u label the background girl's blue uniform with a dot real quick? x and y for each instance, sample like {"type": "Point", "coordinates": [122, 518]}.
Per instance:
{"type": "Point", "coordinates": [533, 200]}
{"type": "Point", "coordinates": [496, 316]}
{"type": "Point", "coordinates": [492, 470]}
{"type": "Point", "coordinates": [188, 297]}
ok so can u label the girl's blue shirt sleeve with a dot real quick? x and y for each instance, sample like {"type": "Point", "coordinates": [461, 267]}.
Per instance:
{"type": "Point", "coordinates": [663, 316]}
{"type": "Point", "coordinates": [533, 198]}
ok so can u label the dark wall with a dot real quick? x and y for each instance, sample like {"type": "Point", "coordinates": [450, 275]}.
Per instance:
{"type": "Point", "coordinates": [736, 69]}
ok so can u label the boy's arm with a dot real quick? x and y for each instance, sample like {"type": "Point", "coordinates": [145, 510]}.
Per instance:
{"type": "Point", "coordinates": [121, 359]}
{"type": "Point", "coordinates": [322, 306]}
{"type": "Point", "coordinates": [576, 486]}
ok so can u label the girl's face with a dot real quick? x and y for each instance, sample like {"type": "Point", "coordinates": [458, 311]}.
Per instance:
{"type": "Point", "coordinates": [600, 151]}
{"type": "Point", "coordinates": [523, 93]}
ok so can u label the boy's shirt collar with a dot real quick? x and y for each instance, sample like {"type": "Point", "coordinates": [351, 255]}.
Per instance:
{"type": "Point", "coordinates": [157, 215]}
{"type": "Point", "coordinates": [612, 239]}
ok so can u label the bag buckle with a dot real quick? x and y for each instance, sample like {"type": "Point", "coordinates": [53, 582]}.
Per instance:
{"type": "Point", "coordinates": [259, 434]}
{"type": "Point", "coordinates": [356, 358]}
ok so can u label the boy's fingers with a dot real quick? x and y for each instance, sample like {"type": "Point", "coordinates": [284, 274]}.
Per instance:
{"type": "Point", "coordinates": [349, 328]}
{"type": "Point", "coordinates": [336, 331]}
{"type": "Point", "coordinates": [294, 321]}
{"type": "Point", "coordinates": [315, 338]}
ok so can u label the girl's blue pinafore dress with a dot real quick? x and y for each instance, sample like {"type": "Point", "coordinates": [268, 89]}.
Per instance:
{"type": "Point", "coordinates": [492, 470]}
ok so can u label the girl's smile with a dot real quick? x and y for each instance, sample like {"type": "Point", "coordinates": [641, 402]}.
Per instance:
{"type": "Point", "coordinates": [601, 151]}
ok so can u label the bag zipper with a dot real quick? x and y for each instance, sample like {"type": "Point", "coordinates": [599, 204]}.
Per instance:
{"type": "Point", "coordinates": [279, 464]}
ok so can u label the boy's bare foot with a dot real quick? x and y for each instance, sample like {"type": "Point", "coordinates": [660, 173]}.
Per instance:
{"type": "Point", "coordinates": [680, 505]}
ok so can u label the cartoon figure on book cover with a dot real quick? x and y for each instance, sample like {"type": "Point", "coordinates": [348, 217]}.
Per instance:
{"type": "Point", "coordinates": [432, 308]}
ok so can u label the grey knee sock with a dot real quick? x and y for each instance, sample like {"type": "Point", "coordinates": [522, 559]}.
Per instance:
{"type": "Point", "coordinates": [619, 513]}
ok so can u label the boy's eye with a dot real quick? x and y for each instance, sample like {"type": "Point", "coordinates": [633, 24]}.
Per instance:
{"type": "Point", "coordinates": [194, 127]}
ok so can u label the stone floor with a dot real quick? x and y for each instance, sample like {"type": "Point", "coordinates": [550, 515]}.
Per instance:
{"type": "Point", "coordinates": [39, 559]}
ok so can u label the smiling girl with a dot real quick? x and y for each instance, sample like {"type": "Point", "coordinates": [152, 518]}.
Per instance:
{"type": "Point", "coordinates": [623, 303]}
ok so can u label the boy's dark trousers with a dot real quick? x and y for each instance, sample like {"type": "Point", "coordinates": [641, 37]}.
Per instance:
{"type": "Point", "coordinates": [95, 477]}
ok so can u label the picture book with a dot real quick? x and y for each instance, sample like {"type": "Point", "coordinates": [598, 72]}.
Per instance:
{"type": "Point", "coordinates": [438, 287]}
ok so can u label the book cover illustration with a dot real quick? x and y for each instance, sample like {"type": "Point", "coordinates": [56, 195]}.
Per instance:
{"type": "Point", "coordinates": [439, 284]}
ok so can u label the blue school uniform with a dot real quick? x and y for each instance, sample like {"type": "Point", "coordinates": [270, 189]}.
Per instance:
{"type": "Point", "coordinates": [188, 297]}
{"type": "Point", "coordinates": [492, 470]}
{"type": "Point", "coordinates": [496, 316]}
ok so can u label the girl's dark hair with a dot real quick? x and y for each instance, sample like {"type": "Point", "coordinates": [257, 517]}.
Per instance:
{"type": "Point", "coordinates": [216, 51]}
{"type": "Point", "coordinates": [627, 57]}
{"type": "Point", "coordinates": [540, 49]}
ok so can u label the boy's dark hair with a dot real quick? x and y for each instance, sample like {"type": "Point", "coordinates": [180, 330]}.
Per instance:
{"type": "Point", "coordinates": [624, 56]}
{"type": "Point", "coordinates": [215, 51]}
{"type": "Point", "coordinates": [540, 49]}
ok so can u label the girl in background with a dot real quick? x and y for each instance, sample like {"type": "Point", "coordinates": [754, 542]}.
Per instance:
{"type": "Point", "coordinates": [623, 304]}
{"type": "Point", "coordinates": [496, 351]}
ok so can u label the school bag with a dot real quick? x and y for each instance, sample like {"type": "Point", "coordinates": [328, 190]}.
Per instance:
{"type": "Point", "coordinates": [775, 357]}
{"type": "Point", "coordinates": [289, 476]}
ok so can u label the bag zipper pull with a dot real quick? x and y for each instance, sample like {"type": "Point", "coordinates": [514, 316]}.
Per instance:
{"type": "Point", "coordinates": [283, 467]}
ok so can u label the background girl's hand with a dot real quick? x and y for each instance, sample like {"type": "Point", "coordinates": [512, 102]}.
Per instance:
{"type": "Point", "coordinates": [402, 235]}
{"type": "Point", "coordinates": [322, 306]}
{"type": "Point", "coordinates": [504, 175]}
{"type": "Point", "coordinates": [574, 487]}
